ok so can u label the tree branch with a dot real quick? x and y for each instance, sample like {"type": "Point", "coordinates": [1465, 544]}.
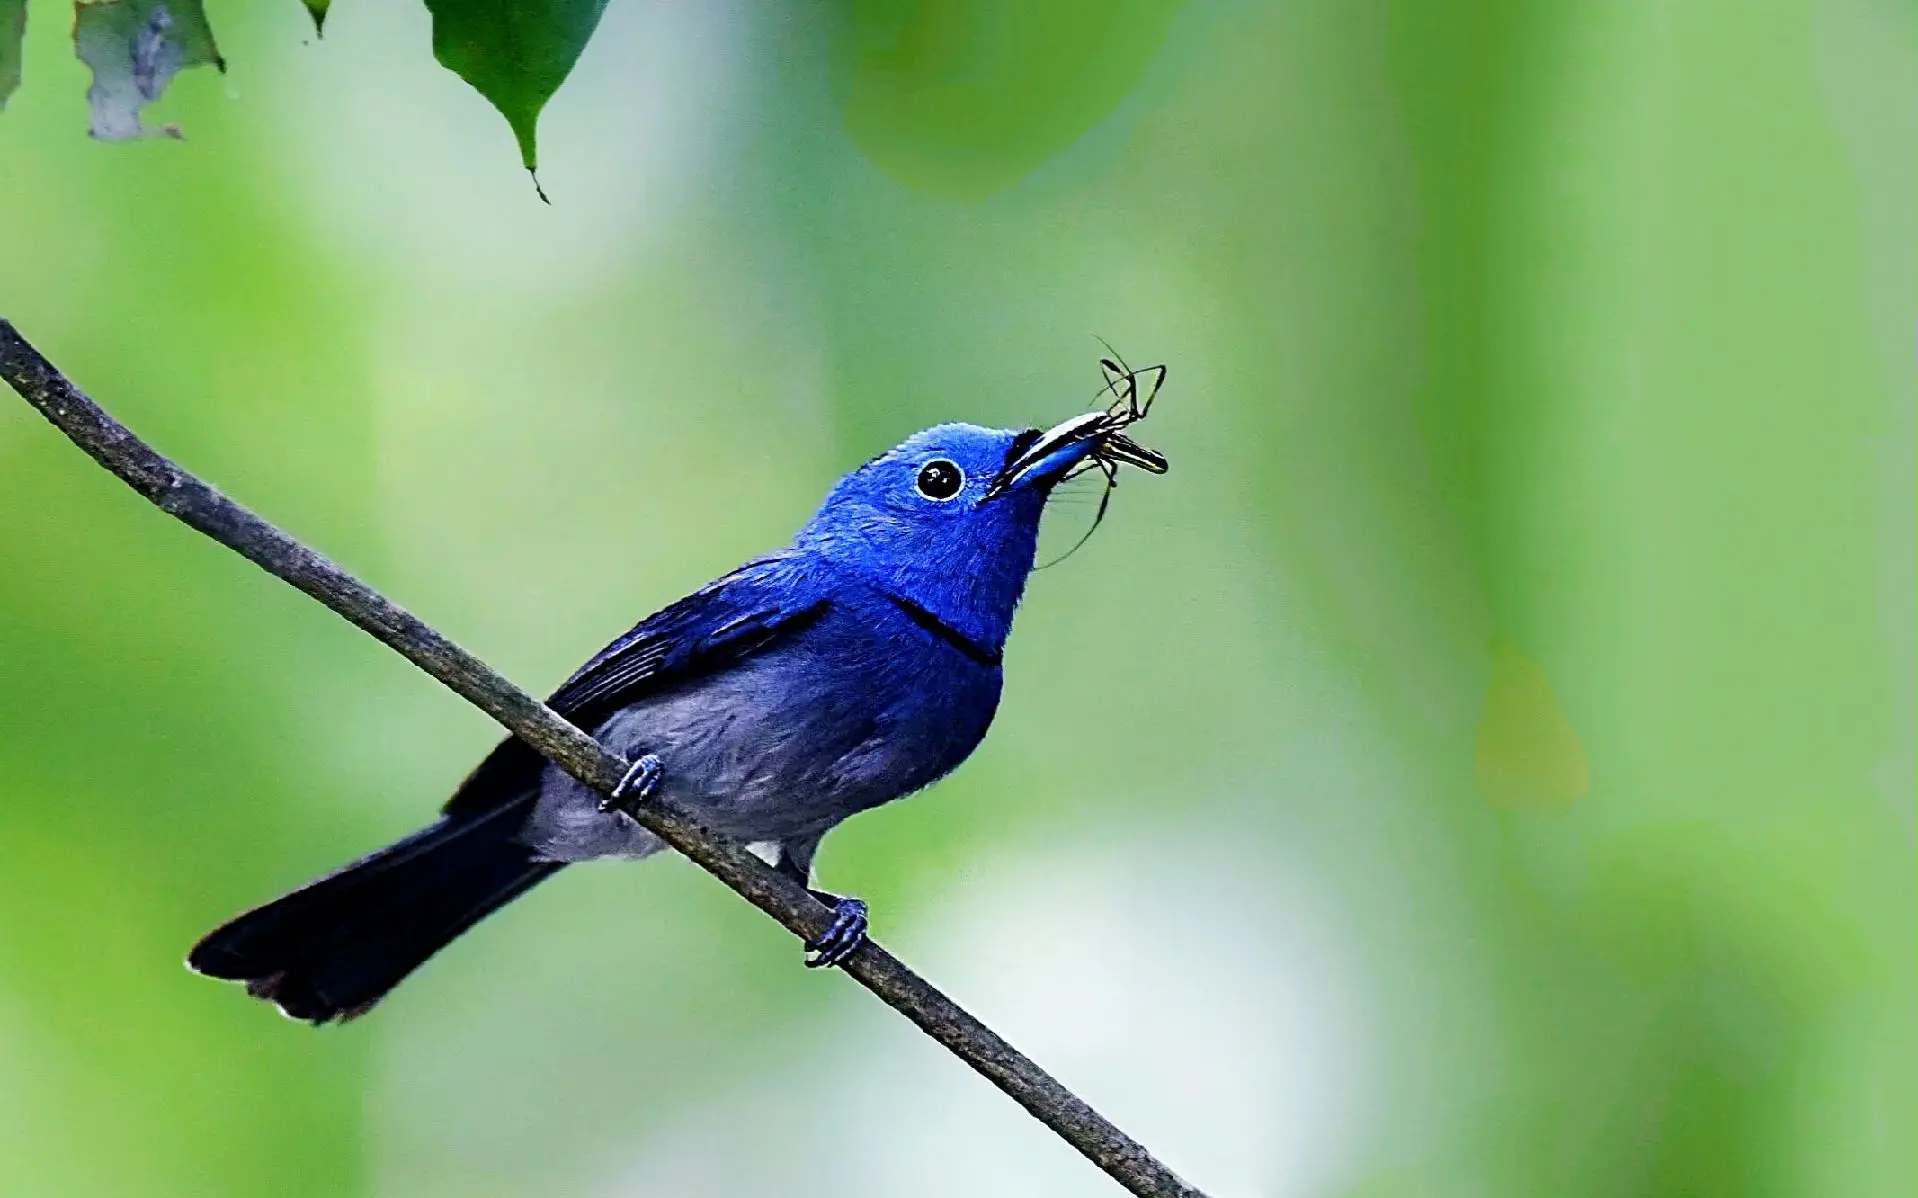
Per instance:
{"type": "Point", "coordinates": [193, 502]}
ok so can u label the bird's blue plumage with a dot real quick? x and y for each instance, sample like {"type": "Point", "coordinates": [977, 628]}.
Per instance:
{"type": "Point", "coordinates": [856, 665]}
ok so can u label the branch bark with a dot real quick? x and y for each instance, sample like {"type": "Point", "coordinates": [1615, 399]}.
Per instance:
{"type": "Point", "coordinates": [200, 506]}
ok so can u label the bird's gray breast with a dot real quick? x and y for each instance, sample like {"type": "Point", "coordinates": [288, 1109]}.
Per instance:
{"type": "Point", "coordinates": [853, 711]}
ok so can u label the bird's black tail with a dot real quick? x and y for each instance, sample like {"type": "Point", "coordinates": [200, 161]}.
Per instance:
{"type": "Point", "coordinates": [332, 949]}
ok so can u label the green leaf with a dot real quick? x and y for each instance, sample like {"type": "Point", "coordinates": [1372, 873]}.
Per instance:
{"type": "Point", "coordinates": [318, 9]}
{"type": "Point", "coordinates": [964, 98]}
{"type": "Point", "coordinates": [516, 53]}
{"type": "Point", "coordinates": [13, 28]}
{"type": "Point", "coordinates": [135, 48]}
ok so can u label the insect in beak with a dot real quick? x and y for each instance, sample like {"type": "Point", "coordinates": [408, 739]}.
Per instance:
{"type": "Point", "coordinates": [1094, 441]}
{"type": "Point", "coordinates": [1094, 437]}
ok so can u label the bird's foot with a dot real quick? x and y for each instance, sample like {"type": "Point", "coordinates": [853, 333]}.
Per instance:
{"type": "Point", "coordinates": [846, 932]}
{"type": "Point", "coordinates": [634, 788]}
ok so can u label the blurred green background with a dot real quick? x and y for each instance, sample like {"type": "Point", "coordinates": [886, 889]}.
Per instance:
{"type": "Point", "coordinates": [1483, 766]}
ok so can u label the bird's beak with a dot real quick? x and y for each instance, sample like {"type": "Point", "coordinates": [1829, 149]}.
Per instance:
{"type": "Point", "coordinates": [1050, 454]}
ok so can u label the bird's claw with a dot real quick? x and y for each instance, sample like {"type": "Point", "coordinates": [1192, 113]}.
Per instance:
{"type": "Point", "coordinates": [841, 937]}
{"type": "Point", "coordinates": [634, 788]}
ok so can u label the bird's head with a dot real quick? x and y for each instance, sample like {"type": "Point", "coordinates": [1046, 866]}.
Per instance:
{"type": "Point", "coordinates": [949, 518]}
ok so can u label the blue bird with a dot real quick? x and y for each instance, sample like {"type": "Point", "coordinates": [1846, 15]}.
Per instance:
{"type": "Point", "coordinates": [856, 665]}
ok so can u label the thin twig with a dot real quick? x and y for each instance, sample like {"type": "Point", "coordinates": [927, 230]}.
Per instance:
{"type": "Point", "coordinates": [193, 502]}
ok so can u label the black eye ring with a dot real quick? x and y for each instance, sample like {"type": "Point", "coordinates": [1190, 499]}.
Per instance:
{"type": "Point", "coordinates": [940, 479]}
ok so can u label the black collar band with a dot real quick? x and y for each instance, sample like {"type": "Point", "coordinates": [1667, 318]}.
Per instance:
{"type": "Point", "coordinates": [952, 636]}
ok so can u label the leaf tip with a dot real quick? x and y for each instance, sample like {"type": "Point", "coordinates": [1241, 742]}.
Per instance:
{"type": "Point", "coordinates": [537, 189]}
{"type": "Point", "coordinates": [524, 133]}
{"type": "Point", "coordinates": [512, 58]}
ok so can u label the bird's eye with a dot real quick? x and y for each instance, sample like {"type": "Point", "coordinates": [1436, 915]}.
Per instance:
{"type": "Point", "coordinates": [940, 479]}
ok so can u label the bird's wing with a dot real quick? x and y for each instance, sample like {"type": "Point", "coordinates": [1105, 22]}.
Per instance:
{"type": "Point", "coordinates": [719, 625]}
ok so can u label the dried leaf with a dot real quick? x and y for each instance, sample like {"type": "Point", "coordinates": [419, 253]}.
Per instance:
{"type": "Point", "coordinates": [13, 29]}
{"type": "Point", "coordinates": [135, 48]}
{"type": "Point", "coordinates": [516, 53]}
